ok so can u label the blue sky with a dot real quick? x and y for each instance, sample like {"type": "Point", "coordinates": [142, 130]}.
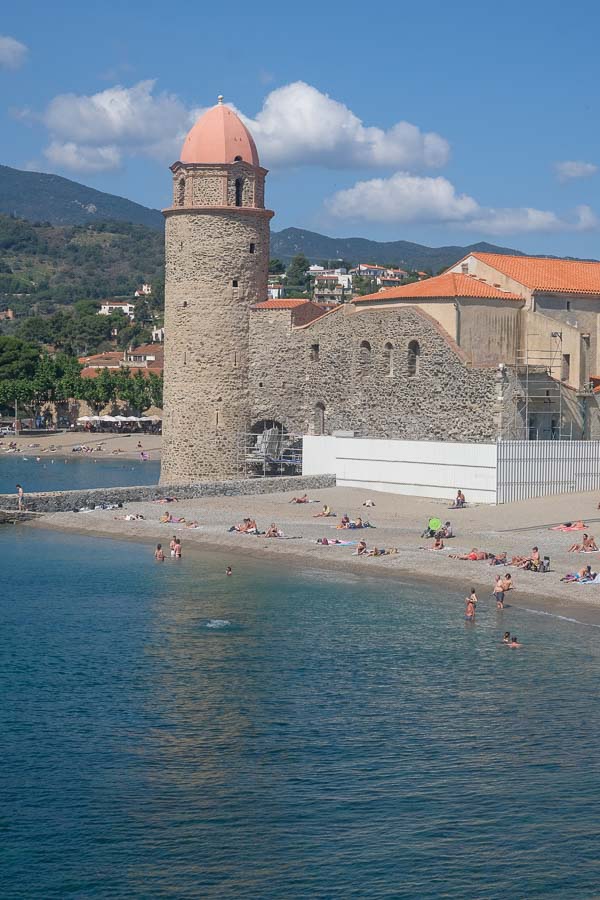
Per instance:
{"type": "Point", "coordinates": [501, 104]}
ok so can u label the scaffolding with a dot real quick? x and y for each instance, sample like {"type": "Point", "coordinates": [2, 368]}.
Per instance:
{"type": "Point", "coordinates": [269, 452]}
{"type": "Point", "coordinates": [538, 390]}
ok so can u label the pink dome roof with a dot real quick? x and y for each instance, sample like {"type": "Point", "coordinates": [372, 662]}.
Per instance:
{"type": "Point", "coordinates": [219, 136]}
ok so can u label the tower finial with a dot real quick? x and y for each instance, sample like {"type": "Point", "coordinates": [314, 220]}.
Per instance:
{"type": "Point", "coordinates": [220, 98]}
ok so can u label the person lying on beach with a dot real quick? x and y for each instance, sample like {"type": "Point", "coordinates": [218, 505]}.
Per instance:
{"type": "Point", "coordinates": [381, 551]}
{"type": "Point", "coordinates": [166, 518]}
{"type": "Point", "coordinates": [326, 542]}
{"type": "Point", "coordinates": [130, 517]}
{"type": "Point", "coordinates": [570, 526]}
{"type": "Point", "coordinates": [166, 500]}
{"type": "Point", "coordinates": [302, 499]}
{"type": "Point", "coordinates": [325, 513]}
{"type": "Point", "coordinates": [192, 524]}
{"type": "Point", "coordinates": [273, 531]}
{"type": "Point", "coordinates": [499, 559]}
{"type": "Point", "coordinates": [369, 503]}
{"type": "Point", "coordinates": [361, 549]}
{"type": "Point", "coordinates": [344, 521]}
{"type": "Point", "coordinates": [473, 554]}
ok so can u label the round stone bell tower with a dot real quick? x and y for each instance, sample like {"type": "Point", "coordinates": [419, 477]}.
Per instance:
{"type": "Point", "coordinates": [216, 267]}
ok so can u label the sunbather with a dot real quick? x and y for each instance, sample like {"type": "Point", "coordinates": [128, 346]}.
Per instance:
{"type": "Point", "coordinates": [473, 554]}
{"type": "Point", "coordinates": [325, 513]}
{"type": "Point", "coordinates": [273, 531]}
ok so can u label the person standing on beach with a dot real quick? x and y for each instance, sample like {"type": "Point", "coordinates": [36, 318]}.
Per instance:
{"type": "Point", "coordinates": [20, 495]}
{"type": "Point", "coordinates": [498, 592]}
{"type": "Point", "coordinates": [470, 608]}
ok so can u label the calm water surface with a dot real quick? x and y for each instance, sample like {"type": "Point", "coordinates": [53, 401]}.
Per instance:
{"type": "Point", "coordinates": [59, 474]}
{"type": "Point", "coordinates": [170, 732]}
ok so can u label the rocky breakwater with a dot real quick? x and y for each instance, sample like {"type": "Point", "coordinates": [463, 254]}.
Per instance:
{"type": "Point", "coordinates": [67, 501]}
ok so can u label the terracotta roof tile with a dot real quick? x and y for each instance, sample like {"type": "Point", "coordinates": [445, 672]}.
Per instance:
{"type": "Point", "coordinates": [450, 284]}
{"type": "Point", "coordinates": [282, 303]}
{"type": "Point", "coordinates": [554, 275]}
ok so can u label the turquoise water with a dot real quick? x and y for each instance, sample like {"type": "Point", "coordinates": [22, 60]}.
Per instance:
{"type": "Point", "coordinates": [170, 732]}
{"type": "Point", "coordinates": [58, 474]}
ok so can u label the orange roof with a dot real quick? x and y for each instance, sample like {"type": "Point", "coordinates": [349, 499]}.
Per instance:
{"type": "Point", "coordinates": [450, 284]}
{"type": "Point", "coordinates": [282, 303]}
{"type": "Point", "coordinates": [219, 136]}
{"type": "Point", "coordinates": [110, 356]}
{"type": "Point", "coordinates": [147, 350]}
{"type": "Point", "coordinates": [570, 276]}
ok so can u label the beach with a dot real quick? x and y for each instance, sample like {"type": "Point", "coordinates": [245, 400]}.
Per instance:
{"type": "Point", "coordinates": [399, 522]}
{"type": "Point", "coordinates": [62, 443]}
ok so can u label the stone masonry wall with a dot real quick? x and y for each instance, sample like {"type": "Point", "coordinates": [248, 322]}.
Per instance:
{"type": "Point", "coordinates": [211, 280]}
{"type": "Point", "coordinates": [65, 501]}
{"type": "Point", "coordinates": [444, 399]}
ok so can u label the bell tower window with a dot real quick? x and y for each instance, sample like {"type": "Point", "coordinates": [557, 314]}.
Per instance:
{"type": "Point", "coordinates": [239, 191]}
{"type": "Point", "coordinates": [181, 191]}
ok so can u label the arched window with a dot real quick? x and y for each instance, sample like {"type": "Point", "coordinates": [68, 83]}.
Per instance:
{"type": "Point", "coordinates": [364, 355]}
{"type": "Point", "coordinates": [239, 191]}
{"type": "Point", "coordinates": [237, 158]}
{"type": "Point", "coordinates": [319, 418]}
{"type": "Point", "coordinates": [388, 358]}
{"type": "Point", "coordinates": [181, 192]}
{"type": "Point", "coordinates": [414, 351]}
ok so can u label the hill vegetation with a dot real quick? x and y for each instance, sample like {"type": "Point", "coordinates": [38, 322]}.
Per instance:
{"type": "Point", "coordinates": [45, 267]}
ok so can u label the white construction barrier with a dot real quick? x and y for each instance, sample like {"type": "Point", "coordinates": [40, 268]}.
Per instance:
{"type": "Point", "coordinates": [419, 468]}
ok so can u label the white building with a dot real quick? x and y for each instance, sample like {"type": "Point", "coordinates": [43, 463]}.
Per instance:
{"type": "Point", "coordinates": [110, 306]}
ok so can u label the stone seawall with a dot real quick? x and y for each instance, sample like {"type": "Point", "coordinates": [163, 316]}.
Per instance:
{"type": "Point", "coordinates": [65, 501]}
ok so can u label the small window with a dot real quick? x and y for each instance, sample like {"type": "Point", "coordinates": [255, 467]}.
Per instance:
{"type": "Point", "coordinates": [319, 418]}
{"type": "Point", "coordinates": [566, 366]}
{"type": "Point", "coordinates": [181, 191]}
{"type": "Point", "coordinates": [465, 268]}
{"type": "Point", "coordinates": [568, 305]}
{"type": "Point", "coordinates": [237, 158]}
{"type": "Point", "coordinates": [239, 191]}
{"type": "Point", "coordinates": [314, 353]}
{"type": "Point", "coordinates": [235, 282]}
{"type": "Point", "coordinates": [414, 352]}
{"type": "Point", "coordinates": [388, 358]}
{"type": "Point", "coordinates": [364, 355]}
{"type": "Point", "coordinates": [252, 248]}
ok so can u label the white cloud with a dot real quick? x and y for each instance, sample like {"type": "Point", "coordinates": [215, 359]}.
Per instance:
{"type": "Point", "coordinates": [299, 125]}
{"type": "Point", "coordinates": [574, 168]}
{"type": "Point", "coordinates": [405, 198]}
{"type": "Point", "coordinates": [12, 52]}
{"type": "Point", "coordinates": [69, 155]}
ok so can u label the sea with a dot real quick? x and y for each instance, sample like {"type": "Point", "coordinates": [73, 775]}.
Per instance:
{"type": "Point", "coordinates": [170, 732]}
{"type": "Point", "coordinates": [48, 473]}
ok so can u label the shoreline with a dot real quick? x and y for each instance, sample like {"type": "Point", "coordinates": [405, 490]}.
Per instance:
{"type": "Point", "coordinates": [542, 593]}
{"type": "Point", "coordinates": [49, 445]}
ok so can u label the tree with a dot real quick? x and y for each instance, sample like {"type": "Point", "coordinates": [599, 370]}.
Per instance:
{"type": "Point", "coordinates": [296, 276]}
{"type": "Point", "coordinates": [18, 358]}
{"type": "Point", "coordinates": [276, 267]}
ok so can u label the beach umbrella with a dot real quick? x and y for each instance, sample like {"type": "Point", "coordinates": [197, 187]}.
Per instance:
{"type": "Point", "coordinates": [435, 524]}
{"type": "Point", "coordinates": [95, 419]}
{"type": "Point", "coordinates": [132, 419]}
{"type": "Point", "coordinates": [84, 419]}
{"type": "Point", "coordinates": [108, 419]}
{"type": "Point", "coordinates": [120, 418]}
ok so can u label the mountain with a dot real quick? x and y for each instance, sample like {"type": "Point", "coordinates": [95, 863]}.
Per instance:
{"type": "Point", "coordinates": [286, 243]}
{"type": "Point", "coordinates": [49, 198]}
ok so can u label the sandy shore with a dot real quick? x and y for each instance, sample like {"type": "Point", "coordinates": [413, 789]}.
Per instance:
{"type": "Point", "coordinates": [61, 444]}
{"type": "Point", "coordinates": [399, 522]}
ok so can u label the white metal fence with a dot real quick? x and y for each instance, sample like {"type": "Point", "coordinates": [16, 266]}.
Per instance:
{"type": "Point", "coordinates": [528, 469]}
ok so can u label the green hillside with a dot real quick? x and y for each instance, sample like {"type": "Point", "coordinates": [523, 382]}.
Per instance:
{"type": "Point", "coordinates": [38, 197]}
{"type": "Point", "coordinates": [43, 267]}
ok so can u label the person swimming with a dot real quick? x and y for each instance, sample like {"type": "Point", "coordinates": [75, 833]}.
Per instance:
{"type": "Point", "coordinates": [228, 571]}
{"type": "Point", "coordinates": [506, 638]}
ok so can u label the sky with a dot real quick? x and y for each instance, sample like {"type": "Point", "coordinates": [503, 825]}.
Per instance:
{"type": "Point", "coordinates": [434, 122]}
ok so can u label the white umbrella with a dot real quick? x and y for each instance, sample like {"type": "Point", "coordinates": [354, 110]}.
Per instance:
{"type": "Point", "coordinates": [84, 419]}
{"type": "Point", "coordinates": [120, 418]}
{"type": "Point", "coordinates": [108, 419]}
{"type": "Point", "coordinates": [95, 419]}
{"type": "Point", "coordinates": [132, 419]}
